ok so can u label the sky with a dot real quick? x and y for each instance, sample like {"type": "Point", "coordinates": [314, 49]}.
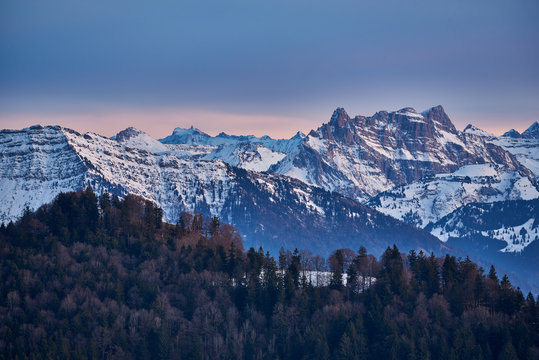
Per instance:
{"type": "Point", "coordinates": [264, 67]}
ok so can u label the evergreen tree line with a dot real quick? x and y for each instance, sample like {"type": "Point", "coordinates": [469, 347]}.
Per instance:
{"type": "Point", "coordinates": [103, 278]}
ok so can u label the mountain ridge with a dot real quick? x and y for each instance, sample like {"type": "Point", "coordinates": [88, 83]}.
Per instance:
{"type": "Point", "coordinates": [268, 209]}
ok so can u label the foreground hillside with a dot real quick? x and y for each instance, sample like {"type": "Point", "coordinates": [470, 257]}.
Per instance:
{"type": "Point", "coordinates": [88, 277]}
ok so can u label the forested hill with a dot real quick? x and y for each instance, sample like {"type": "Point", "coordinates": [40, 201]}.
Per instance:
{"type": "Point", "coordinates": [91, 278]}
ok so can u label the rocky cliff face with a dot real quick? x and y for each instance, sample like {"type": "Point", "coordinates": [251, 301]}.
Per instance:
{"type": "Point", "coordinates": [363, 156]}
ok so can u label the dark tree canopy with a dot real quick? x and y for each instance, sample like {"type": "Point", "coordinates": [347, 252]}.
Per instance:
{"type": "Point", "coordinates": [95, 278]}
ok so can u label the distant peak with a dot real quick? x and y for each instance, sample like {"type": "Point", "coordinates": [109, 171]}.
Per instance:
{"type": "Point", "coordinates": [532, 132]}
{"type": "Point", "coordinates": [339, 116]}
{"type": "Point", "coordinates": [132, 129]}
{"type": "Point", "coordinates": [474, 130]}
{"type": "Point", "coordinates": [534, 126]}
{"type": "Point", "coordinates": [407, 110]}
{"type": "Point", "coordinates": [338, 112]}
{"type": "Point", "coordinates": [185, 136]}
{"type": "Point", "coordinates": [438, 114]}
{"type": "Point", "coordinates": [512, 134]}
{"type": "Point", "coordinates": [189, 129]}
{"type": "Point", "coordinates": [437, 108]}
{"type": "Point", "coordinates": [128, 133]}
{"type": "Point", "coordinates": [299, 135]}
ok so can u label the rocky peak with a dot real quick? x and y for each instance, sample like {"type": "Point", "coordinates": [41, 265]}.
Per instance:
{"type": "Point", "coordinates": [532, 132]}
{"type": "Point", "coordinates": [338, 128]}
{"type": "Point", "coordinates": [186, 136]}
{"type": "Point", "coordinates": [339, 117]}
{"type": "Point", "coordinates": [135, 138]}
{"type": "Point", "coordinates": [438, 115]}
{"type": "Point", "coordinates": [127, 134]}
{"type": "Point", "coordinates": [474, 130]}
{"type": "Point", "coordinates": [407, 110]}
{"type": "Point", "coordinates": [512, 134]}
{"type": "Point", "coordinates": [190, 130]}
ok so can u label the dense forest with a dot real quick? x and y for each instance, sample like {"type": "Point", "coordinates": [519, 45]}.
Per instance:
{"type": "Point", "coordinates": [103, 278]}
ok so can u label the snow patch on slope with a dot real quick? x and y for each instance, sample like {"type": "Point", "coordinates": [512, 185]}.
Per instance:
{"type": "Point", "coordinates": [428, 200]}
{"type": "Point", "coordinates": [516, 237]}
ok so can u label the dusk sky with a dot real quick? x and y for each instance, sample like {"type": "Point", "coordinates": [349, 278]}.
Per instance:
{"type": "Point", "coordinates": [264, 67]}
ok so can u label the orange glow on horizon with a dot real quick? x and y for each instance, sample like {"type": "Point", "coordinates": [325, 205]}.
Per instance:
{"type": "Point", "coordinates": [161, 123]}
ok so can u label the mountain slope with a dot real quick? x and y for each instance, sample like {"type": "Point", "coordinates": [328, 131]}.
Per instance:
{"type": "Point", "coordinates": [505, 233]}
{"type": "Point", "coordinates": [427, 200]}
{"type": "Point", "coordinates": [513, 223]}
{"type": "Point", "coordinates": [268, 209]}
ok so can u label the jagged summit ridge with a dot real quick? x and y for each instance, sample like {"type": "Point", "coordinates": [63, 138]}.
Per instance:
{"type": "Point", "coordinates": [365, 155]}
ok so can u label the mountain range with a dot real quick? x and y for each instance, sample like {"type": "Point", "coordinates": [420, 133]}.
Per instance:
{"type": "Point", "coordinates": [394, 177]}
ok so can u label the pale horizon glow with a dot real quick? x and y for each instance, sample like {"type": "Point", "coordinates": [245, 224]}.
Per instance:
{"type": "Point", "coordinates": [160, 123]}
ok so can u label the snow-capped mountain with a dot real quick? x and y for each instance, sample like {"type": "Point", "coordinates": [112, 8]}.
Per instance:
{"type": "Point", "coordinates": [269, 209]}
{"type": "Point", "coordinates": [476, 207]}
{"type": "Point", "coordinates": [363, 156]}
{"type": "Point", "coordinates": [511, 133]}
{"type": "Point", "coordinates": [473, 130]}
{"type": "Point", "coordinates": [246, 155]}
{"type": "Point", "coordinates": [525, 150]}
{"type": "Point", "coordinates": [248, 152]}
{"type": "Point", "coordinates": [532, 132]}
{"type": "Point", "coordinates": [418, 167]}
{"type": "Point", "coordinates": [429, 199]}
{"type": "Point", "coordinates": [358, 157]}
{"type": "Point", "coordinates": [137, 139]}
{"type": "Point", "coordinates": [525, 146]}
{"type": "Point", "coordinates": [193, 136]}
